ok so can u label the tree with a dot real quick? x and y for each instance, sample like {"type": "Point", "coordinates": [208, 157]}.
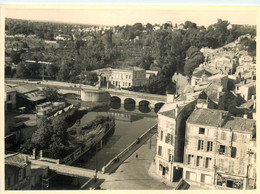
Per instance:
{"type": "Point", "coordinates": [193, 60]}
{"type": "Point", "coordinates": [52, 70]}
{"type": "Point", "coordinates": [91, 77]}
{"type": "Point", "coordinates": [21, 71]}
{"type": "Point", "coordinates": [51, 94]}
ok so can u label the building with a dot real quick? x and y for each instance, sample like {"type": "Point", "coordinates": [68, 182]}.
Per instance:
{"type": "Point", "coordinates": [219, 150]}
{"type": "Point", "coordinates": [171, 134]}
{"type": "Point", "coordinates": [17, 172]}
{"type": "Point", "coordinates": [128, 77]}
{"type": "Point", "coordinates": [10, 98]}
{"type": "Point", "coordinates": [246, 90]}
{"type": "Point", "coordinates": [28, 96]}
{"type": "Point", "coordinates": [122, 78]}
{"type": "Point", "coordinates": [21, 174]}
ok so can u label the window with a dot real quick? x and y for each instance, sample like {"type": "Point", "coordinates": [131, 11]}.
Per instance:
{"type": "Point", "coordinates": [199, 160]}
{"type": "Point", "coordinates": [129, 84]}
{"type": "Point", "coordinates": [169, 138]}
{"type": "Point", "coordinates": [233, 152]}
{"type": "Point", "coordinates": [201, 130]}
{"type": "Point", "coordinates": [221, 164]}
{"type": "Point", "coordinates": [161, 135]}
{"type": "Point", "coordinates": [160, 150]}
{"type": "Point", "coordinates": [126, 76]}
{"type": "Point", "coordinates": [208, 163]}
{"type": "Point", "coordinates": [222, 149]}
{"type": "Point", "coordinates": [209, 146]}
{"type": "Point", "coordinates": [200, 145]}
{"type": "Point", "coordinates": [234, 137]}
{"type": "Point", "coordinates": [190, 159]}
{"type": "Point", "coordinates": [129, 76]}
{"type": "Point", "coordinates": [9, 97]}
{"type": "Point", "coordinates": [223, 135]}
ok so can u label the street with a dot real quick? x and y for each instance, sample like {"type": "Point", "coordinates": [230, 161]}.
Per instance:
{"type": "Point", "coordinates": [134, 172]}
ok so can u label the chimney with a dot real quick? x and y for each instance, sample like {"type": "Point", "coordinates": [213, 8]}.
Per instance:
{"type": "Point", "coordinates": [41, 154]}
{"type": "Point", "coordinates": [34, 153]}
{"type": "Point", "coordinates": [221, 115]}
{"type": "Point", "coordinates": [245, 116]}
{"type": "Point", "coordinates": [26, 160]}
{"type": "Point", "coordinates": [176, 110]}
{"type": "Point", "coordinates": [218, 95]}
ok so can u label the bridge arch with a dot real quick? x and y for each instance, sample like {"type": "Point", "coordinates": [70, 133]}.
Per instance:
{"type": "Point", "coordinates": [116, 99]}
{"type": "Point", "coordinates": [71, 96]}
{"type": "Point", "coordinates": [158, 106]}
{"type": "Point", "coordinates": [129, 104]}
{"type": "Point", "coordinates": [144, 103]}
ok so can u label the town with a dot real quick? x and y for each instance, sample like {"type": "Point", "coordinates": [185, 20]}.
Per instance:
{"type": "Point", "coordinates": [163, 106]}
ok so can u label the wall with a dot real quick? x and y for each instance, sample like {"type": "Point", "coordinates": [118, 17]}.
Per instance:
{"type": "Point", "coordinates": [95, 96]}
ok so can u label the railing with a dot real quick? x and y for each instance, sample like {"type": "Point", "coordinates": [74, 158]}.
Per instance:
{"type": "Point", "coordinates": [117, 160]}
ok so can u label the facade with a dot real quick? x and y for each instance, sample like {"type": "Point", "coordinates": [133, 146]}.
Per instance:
{"type": "Point", "coordinates": [122, 78]}
{"type": "Point", "coordinates": [20, 174]}
{"type": "Point", "coordinates": [10, 98]}
{"type": "Point", "coordinates": [246, 90]}
{"type": "Point", "coordinates": [17, 172]}
{"type": "Point", "coordinates": [126, 78]}
{"type": "Point", "coordinates": [219, 150]}
{"type": "Point", "coordinates": [171, 134]}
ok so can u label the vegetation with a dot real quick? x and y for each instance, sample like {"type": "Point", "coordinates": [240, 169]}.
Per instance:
{"type": "Point", "coordinates": [51, 136]}
{"type": "Point", "coordinates": [168, 49]}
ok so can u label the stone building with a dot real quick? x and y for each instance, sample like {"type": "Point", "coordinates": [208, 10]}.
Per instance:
{"type": "Point", "coordinates": [10, 98]}
{"type": "Point", "coordinates": [171, 133]}
{"type": "Point", "coordinates": [219, 150]}
{"type": "Point", "coordinates": [128, 77]}
{"type": "Point", "coordinates": [246, 90]}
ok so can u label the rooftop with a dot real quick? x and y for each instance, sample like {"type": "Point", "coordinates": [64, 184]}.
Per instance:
{"type": "Point", "coordinates": [9, 89]}
{"type": "Point", "coordinates": [25, 88]}
{"type": "Point", "coordinates": [201, 72]}
{"type": "Point", "coordinates": [17, 160]}
{"type": "Point", "coordinates": [220, 118]}
{"type": "Point", "coordinates": [210, 117]}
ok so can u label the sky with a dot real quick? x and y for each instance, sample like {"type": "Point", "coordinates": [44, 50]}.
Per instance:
{"type": "Point", "coordinates": [123, 15]}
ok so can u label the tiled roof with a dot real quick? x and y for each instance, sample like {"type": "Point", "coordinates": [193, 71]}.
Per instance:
{"type": "Point", "coordinates": [9, 89]}
{"type": "Point", "coordinates": [17, 160]}
{"type": "Point", "coordinates": [202, 72]}
{"type": "Point", "coordinates": [239, 124]}
{"type": "Point", "coordinates": [210, 117]}
{"type": "Point", "coordinates": [25, 88]}
{"type": "Point", "coordinates": [169, 113]}
{"type": "Point", "coordinates": [248, 104]}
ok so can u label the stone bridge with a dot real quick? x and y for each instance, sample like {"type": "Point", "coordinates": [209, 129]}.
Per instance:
{"type": "Point", "coordinates": [152, 100]}
{"type": "Point", "coordinates": [138, 98]}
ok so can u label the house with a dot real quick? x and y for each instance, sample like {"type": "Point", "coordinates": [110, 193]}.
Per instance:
{"type": "Point", "coordinates": [122, 78]}
{"type": "Point", "coordinates": [28, 95]}
{"type": "Point", "coordinates": [246, 90]}
{"type": "Point", "coordinates": [150, 73]}
{"type": "Point", "coordinates": [17, 172]}
{"type": "Point", "coordinates": [219, 150]}
{"type": "Point", "coordinates": [21, 174]}
{"type": "Point", "coordinates": [128, 77]}
{"type": "Point", "coordinates": [171, 133]}
{"type": "Point", "coordinates": [10, 98]}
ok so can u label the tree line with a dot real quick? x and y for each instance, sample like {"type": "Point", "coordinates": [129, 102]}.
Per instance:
{"type": "Point", "coordinates": [168, 49]}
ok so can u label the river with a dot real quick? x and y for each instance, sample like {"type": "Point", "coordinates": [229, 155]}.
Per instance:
{"type": "Point", "coordinates": [130, 123]}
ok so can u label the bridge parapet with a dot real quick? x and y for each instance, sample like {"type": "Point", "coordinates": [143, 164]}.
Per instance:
{"type": "Point", "coordinates": [139, 95]}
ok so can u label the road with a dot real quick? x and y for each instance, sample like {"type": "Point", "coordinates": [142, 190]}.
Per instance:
{"type": "Point", "coordinates": [134, 172]}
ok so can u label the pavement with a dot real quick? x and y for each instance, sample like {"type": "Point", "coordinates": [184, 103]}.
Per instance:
{"type": "Point", "coordinates": [137, 173]}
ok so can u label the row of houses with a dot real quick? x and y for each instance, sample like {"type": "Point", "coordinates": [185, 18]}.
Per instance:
{"type": "Point", "coordinates": [205, 146]}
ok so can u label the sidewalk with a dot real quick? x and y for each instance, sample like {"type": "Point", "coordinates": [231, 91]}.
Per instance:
{"type": "Point", "coordinates": [134, 172]}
